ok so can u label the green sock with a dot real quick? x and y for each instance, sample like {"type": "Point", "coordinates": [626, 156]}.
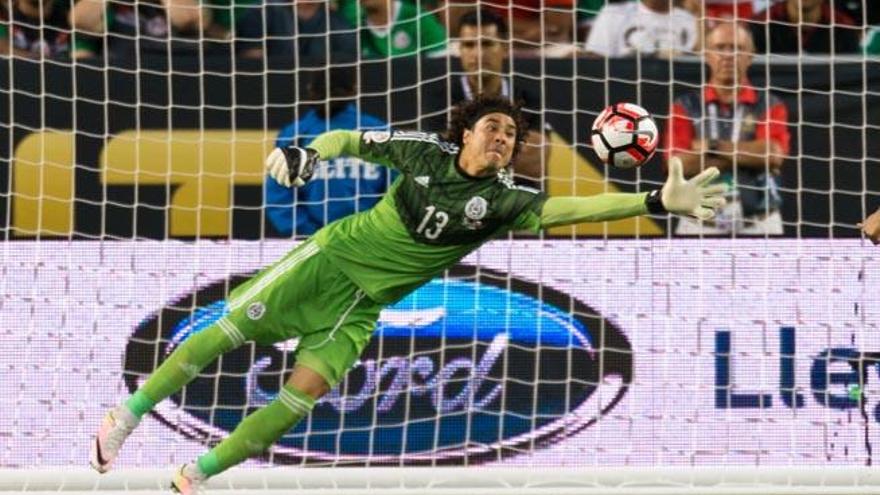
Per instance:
{"type": "Point", "coordinates": [139, 404]}
{"type": "Point", "coordinates": [180, 368]}
{"type": "Point", "coordinates": [258, 431]}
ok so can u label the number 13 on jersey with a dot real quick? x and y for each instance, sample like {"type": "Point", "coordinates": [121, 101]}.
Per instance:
{"type": "Point", "coordinates": [429, 230]}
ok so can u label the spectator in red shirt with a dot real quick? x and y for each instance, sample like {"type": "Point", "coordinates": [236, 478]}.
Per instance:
{"type": "Point", "coordinates": [739, 129]}
{"type": "Point", "coordinates": [809, 26]}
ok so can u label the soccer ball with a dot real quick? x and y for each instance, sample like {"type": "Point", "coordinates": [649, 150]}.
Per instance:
{"type": "Point", "coordinates": [624, 135]}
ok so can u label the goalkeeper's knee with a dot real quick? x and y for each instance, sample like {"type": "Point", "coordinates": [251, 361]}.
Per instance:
{"type": "Point", "coordinates": [181, 367]}
{"type": "Point", "coordinates": [204, 347]}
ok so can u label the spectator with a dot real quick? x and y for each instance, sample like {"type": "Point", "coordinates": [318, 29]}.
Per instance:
{"type": "Point", "coordinates": [737, 128]}
{"type": "Point", "coordinates": [871, 227]}
{"type": "Point", "coordinates": [539, 27]}
{"type": "Point", "coordinates": [133, 26]}
{"type": "Point", "coordinates": [309, 29]}
{"type": "Point", "coordinates": [39, 29]}
{"type": "Point", "coordinates": [394, 27]}
{"type": "Point", "coordinates": [810, 26]}
{"type": "Point", "coordinates": [648, 27]}
{"type": "Point", "coordinates": [341, 186]}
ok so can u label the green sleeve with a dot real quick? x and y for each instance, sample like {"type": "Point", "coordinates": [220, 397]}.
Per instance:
{"type": "Point", "coordinates": [391, 149]}
{"type": "Point", "coordinates": [528, 220]}
{"type": "Point", "coordinates": [599, 208]}
{"type": "Point", "coordinates": [331, 144]}
{"type": "Point", "coordinates": [433, 35]}
{"type": "Point", "coordinates": [4, 29]}
{"type": "Point", "coordinates": [404, 150]}
{"type": "Point", "coordinates": [530, 204]}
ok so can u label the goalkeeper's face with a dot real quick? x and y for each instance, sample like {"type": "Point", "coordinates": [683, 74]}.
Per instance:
{"type": "Point", "coordinates": [488, 146]}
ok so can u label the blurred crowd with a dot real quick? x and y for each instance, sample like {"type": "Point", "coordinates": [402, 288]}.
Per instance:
{"type": "Point", "coordinates": [324, 31]}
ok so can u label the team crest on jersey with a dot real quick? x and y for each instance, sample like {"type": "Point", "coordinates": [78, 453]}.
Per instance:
{"type": "Point", "coordinates": [376, 136]}
{"type": "Point", "coordinates": [474, 211]}
{"type": "Point", "coordinates": [256, 310]}
{"type": "Point", "coordinates": [402, 40]}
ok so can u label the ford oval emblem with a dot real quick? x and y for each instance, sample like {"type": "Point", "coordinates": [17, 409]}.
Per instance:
{"type": "Point", "coordinates": [474, 367]}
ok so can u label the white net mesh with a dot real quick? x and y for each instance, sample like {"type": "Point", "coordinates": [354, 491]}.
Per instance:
{"type": "Point", "coordinates": [614, 357]}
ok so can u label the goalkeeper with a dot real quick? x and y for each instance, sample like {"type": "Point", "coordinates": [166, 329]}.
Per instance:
{"type": "Point", "coordinates": [451, 197]}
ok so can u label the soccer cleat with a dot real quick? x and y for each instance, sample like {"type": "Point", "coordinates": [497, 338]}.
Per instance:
{"type": "Point", "coordinates": [188, 480]}
{"type": "Point", "coordinates": [116, 426]}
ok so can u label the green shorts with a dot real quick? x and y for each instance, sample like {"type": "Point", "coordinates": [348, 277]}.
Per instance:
{"type": "Point", "coordinates": [305, 296]}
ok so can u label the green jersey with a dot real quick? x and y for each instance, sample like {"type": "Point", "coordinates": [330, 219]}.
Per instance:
{"type": "Point", "coordinates": [411, 30]}
{"type": "Point", "coordinates": [432, 216]}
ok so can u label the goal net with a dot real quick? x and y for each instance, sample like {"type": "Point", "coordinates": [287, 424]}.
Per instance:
{"type": "Point", "coordinates": [619, 357]}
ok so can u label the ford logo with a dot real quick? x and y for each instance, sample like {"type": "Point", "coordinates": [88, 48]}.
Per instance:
{"type": "Point", "coordinates": [474, 368]}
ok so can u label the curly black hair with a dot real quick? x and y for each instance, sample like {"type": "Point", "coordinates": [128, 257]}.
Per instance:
{"type": "Point", "coordinates": [467, 113]}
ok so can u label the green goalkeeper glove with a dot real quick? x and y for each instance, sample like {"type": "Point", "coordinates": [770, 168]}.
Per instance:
{"type": "Point", "coordinates": [696, 197]}
{"type": "Point", "coordinates": [292, 166]}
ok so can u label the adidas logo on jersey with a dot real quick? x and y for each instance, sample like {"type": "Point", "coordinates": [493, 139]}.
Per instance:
{"type": "Point", "coordinates": [423, 180]}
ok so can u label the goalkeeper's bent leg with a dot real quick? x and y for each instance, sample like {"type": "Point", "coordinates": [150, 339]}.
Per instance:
{"type": "Point", "coordinates": [260, 430]}
{"type": "Point", "coordinates": [180, 368]}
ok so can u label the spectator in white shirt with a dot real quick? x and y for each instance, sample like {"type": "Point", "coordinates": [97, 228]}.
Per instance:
{"type": "Point", "coordinates": [648, 27]}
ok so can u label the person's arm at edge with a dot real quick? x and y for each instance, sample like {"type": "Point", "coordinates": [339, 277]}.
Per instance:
{"type": "Point", "coordinates": [870, 226]}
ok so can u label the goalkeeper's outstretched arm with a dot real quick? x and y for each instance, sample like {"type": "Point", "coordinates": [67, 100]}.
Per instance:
{"type": "Point", "coordinates": [294, 166]}
{"type": "Point", "coordinates": [696, 197]}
